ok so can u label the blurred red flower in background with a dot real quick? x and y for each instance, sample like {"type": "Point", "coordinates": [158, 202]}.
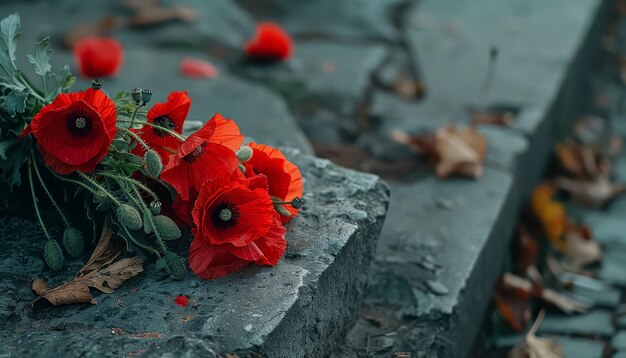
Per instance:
{"type": "Point", "coordinates": [98, 56]}
{"type": "Point", "coordinates": [235, 225]}
{"type": "Point", "coordinates": [75, 131]}
{"type": "Point", "coordinates": [270, 42]}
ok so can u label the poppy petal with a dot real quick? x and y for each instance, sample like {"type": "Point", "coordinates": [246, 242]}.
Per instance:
{"type": "Point", "coordinates": [194, 68]}
{"type": "Point", "coordinates": [212, 261]}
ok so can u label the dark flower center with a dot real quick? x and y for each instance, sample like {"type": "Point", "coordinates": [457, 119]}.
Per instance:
{"type": "Point", "coordinates": [196, 154]}
{"type": "Point", "coordinates": [165, 122]}
{"type": "Point", "coordinates": [225, 215]}
{"type": "Point", "coordinates": [78, 123]}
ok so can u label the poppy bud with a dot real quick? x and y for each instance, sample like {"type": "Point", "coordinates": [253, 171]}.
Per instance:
{"type": "Point", "coordinates": [244, 154]}
{"type": "Point", "coordinates": [166, 227]}
{"type": "Point", "coordinates": [129, 216]}
{"type": "Point", "coordinates": [97, 83]}
{"type": "Point", "coordinates": [153, 163]}
{"type": "Point", "coordinates": [174, 265]}
{"type": "Point", "coordinates": [73, 242]}
{"type": "Point", "coordinates": [155, 207]}
{"type": "Point", "coordinates": [135, 93]}
{"type": "Point", "coordinates": [297, 203]}
{"type": "Point", "coordinates": [146, 95]}
{"type": "Point", "coordinates": [53, 255]}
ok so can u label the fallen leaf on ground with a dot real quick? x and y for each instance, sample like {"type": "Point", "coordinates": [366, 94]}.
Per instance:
{"type": "Point", "coordinates": [580, 248]}
{"type": "Point", "coordinates": [527, 288]}
{"type": "Point", "coordinates": [452, 151]}
{"type": "Point", "coordinates": [550, 213]}
{"type": "Point", "coordinates": [97, 28]}
{"type": "Point", "coordinates": [513, 305]}
{"type": "Point", "coordinates": [527, 249]}
{"type": "Point", "coordinates": [534, 347]}
{"type": "Point", "coordinates": [152, 16]}
{"type": "Point", "coordinates": [407, 86]}
{"type": "Point", "coordinates": [100, 272]}
{"type": "Point", "coordinates": [578, 160]}
{"type": "Point", "coordinates": [592, 193]}
{"type": "Point", "coordinates": [502, 119]}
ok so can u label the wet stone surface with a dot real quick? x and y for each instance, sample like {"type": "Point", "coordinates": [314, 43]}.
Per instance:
{"type": "Point", "coordinates": [316, 288]}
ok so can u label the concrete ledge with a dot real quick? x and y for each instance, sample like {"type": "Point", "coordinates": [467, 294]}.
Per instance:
{"type": "Point", "coordinates": [299, 308]}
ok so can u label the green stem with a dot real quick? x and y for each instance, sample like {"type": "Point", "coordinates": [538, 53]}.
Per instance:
{"type": "Point", "coordinates": [45, 188]}
{"type": "Point", "coordinates": [32, 191]}
{"type": "Point", "coordinates": [167, 130]}
{"type": "Point", "coordinates": [169, 149]}
{"type": "Point", "coordinates": [136, 137]}
{"type": "Point", "coordinates": [145, 247]}
{"type": "Point", "coordinates": [95, 184]}
{"type": "Point", "coordinates": [132, 120]}
{"type": "Point", "coordinates": [32, 89]}
{"type": "Point", "coordinates": [132, 181]}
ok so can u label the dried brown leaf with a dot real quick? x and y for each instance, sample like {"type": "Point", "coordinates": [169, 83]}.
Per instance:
{"type": "Point", "coordinates": [96, 28]}
{"type": "Point", "coordinates": [408, 87]}
{"type": "Point", "coordinates": [100, 272]}
{"type": "Point", "coordinates": [459, 152]}
{"type": "Point", "coordinates": [501, 119]}
{"type": "Point", "coordinates": [40, 286]}
{"type": "Point", "coordinates": [534, 347]}
{"type": "Point", "coordinates": [593, 193]}
{"type": "Point", "coordinates": [580, 248]}
{"type": "Point", "coordinates": [151, 16]}
{"type": "Point", "coordinates": [527, 288]}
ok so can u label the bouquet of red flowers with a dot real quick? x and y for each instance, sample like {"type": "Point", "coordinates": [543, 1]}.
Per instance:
{"type": "Point", "coordinates": [131, 170]}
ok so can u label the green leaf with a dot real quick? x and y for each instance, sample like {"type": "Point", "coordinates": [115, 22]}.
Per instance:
{"type": "Point", "coordinates": [4, 147]}
{"type": "Point", "coordinates": [9, 31]}
{"type": "Point", "coordinates": [73, 242]}
{"type": "Point", "coordinates": [41, 58]}
{"type": "Point", "coordinates": [17, 155]}
{"type": "Point", "coordinates": [15, 102]}
{"type": "Point", "coordinates": [53, 255]}
{"type": "Point", "coordinates": [9, 27]}
{"type": "Point", "coordinates": [64, 80]}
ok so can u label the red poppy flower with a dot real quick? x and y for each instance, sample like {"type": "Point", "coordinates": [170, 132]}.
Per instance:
{"type": "Point", "coordinates": [284, 178]}
{"type": "Point", "coordinates": [207, 154]}
{"type": "Point", "coordinates": [170, 115]}
{"type": "Point", "coordinates": [98, 56]}
{"type": "Point", "coordinates": [270, 42]}
{"type": "Point", "coordinates": [75, 131]}
{"type": "Point", "coordinates": [235, 225]}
